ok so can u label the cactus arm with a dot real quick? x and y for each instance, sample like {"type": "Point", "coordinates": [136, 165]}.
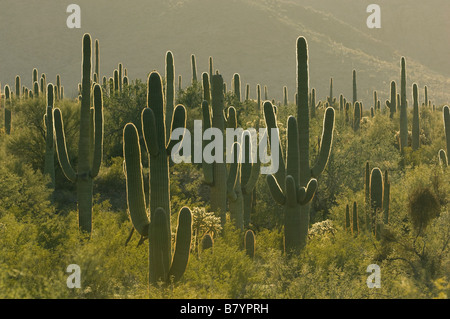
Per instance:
{"type": "Point", "coordinates": [149, 130]}
{"type": "Point", "coordinates": [275, 190]}
{"type": "Point", "coordinates": [326, 143]}
{"type": "Point", "coordinates": [61, 148]}
{"type": "Point", "coordinates": [178, 121]}
{"type": "Point", "coordinates": [183, 245]}
{"type": "Point", "coordinates": [98, 131]}
{"type": "Point", "coordinates": [134, 181]}
{"type": "Point", "coordinates": [170, 92]}
{"type": "Point", "coordinates": [310, 191]}
{"type": "Point", "coordinates": [292, 157]}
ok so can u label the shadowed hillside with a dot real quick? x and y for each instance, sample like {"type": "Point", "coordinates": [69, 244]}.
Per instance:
{"type": "Point", "coordinates": [251, 37]}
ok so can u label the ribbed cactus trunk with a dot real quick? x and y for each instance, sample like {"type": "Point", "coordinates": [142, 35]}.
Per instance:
{"type": "Point", "coordinates": [415, 121]}
{"type": "Point", "coordinates": [90, 146]}
{"type": "Point", "coordinates": [403, 108]}
{"type": "Point", "coordinates": [49, 162]}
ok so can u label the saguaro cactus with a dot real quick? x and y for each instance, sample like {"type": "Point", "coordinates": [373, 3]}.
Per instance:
{"type": "Point", "coordinates": [331, 100]}
{"type": "Point", "coordinates": [215, 174]}
{"type": "Point", "coordinates": [162, 267]}
{"type": "Point", "coordinates": [355, 221]}
{"type": "Point", "coordinates": [194, 68]}
{"type": "Point", "coordinates": [415, 121]}
{"type": "Point", "coordinates": [386, 198]}
{"type": "Point", "coordinates": [250, 170]}
{"type": "Point", "coordinates": [313, 105]}
{"type": "Point", "coordinates": [306, 171]}
{"type": "Point", "coordinates": [97, 60]}
{"type": "Point", "coordinates": [237, 86]}
{"type": "Point", "coordinates": [446, 112]}
{"type": "Point", "coordinates": [90, 147]}
{"type": "Point", "coordinates": [403, 108]}
{"type": "Point", "coordinates": [392, 104]}
{"type": "Point", "coordinates": [249, 243]}
{"type": "Point", "coordinates": [49, 163]}
{"type": "Point", "coordinates": [7, 110]}
{"type": "Point", "coordinates": [285, 95]}
{"type": "Point", "coordinates": [355, 93]}
{"type": "Point", "coordinates": [288, 191]}
{"type": "Point", "coordinates": [376, 196]}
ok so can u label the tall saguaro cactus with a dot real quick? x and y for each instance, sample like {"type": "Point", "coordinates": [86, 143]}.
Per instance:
{"type": "Point", "coordinates": [7, 111]}
{"type": "Point", "coordinates": [288, 191]}
{"type": "Point", "coordinates": [237, 86]}
{"type": "Point", "coordinates": [443, 156]}
{"type": "Point", "coordinates": [215, 174]}
{"type": "Point", "coordinates": [355, 93]}
{"type": "Point", "coordinates": [194, 68]}
{"type": "Point", "coordinates": [158, 227]}
{"type": "Point", "coordinates": [90, 146]}
{"type": "Point", "coordinates": [162, 266]}
{"type": "Point", "coordinates": [415, 121]}
{"type": "Point", "coordinates": [49, 165]}
{"type": "Point", "coordinates": [306, 172]}
{"type": "Point", "coordinates": [403, 108]}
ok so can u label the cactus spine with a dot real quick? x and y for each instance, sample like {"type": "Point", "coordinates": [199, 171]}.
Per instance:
{"type": "Point", "coordinates": [90, 147]}
{"type": "Point", "coordinates": [415, 121]}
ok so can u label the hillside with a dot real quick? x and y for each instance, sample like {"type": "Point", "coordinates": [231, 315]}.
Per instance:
{"type": "Point", "coordinates": [252, 37]}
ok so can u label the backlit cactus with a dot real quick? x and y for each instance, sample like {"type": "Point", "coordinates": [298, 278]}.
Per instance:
{"type": "Point", "coordinates": [330, 99]}
{"type": "Point", "coordinates": [193, 68]}
{"type": "Point", "coordinates": [403, 108]}
{"type": "Point", "coordinates": [285, 186]}
{"type": "Point", "coordinates": [215, 174]}
{"type": "Point", "coordinates": [355, 93]}
{"type": "Point", "coordinates": [237, 86]}
{"type": "Point", "coordinates": [169, 91]}
{"type": "Point", "coordinates": [90, 147]}
{"type": "Point", "coordinates": [49, 165]}
{"type": "Point", "coordinates": [156, 226]}
{"type": "Point", "coordinates": [392, 104]}
{"type": "Point", "coordinates": [7, 110]}
{"type": "Point", "coordinates": [415, 121]}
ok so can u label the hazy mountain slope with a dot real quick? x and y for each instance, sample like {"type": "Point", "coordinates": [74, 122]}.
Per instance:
{"type": "Point", "coordinates": [253, 37]}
